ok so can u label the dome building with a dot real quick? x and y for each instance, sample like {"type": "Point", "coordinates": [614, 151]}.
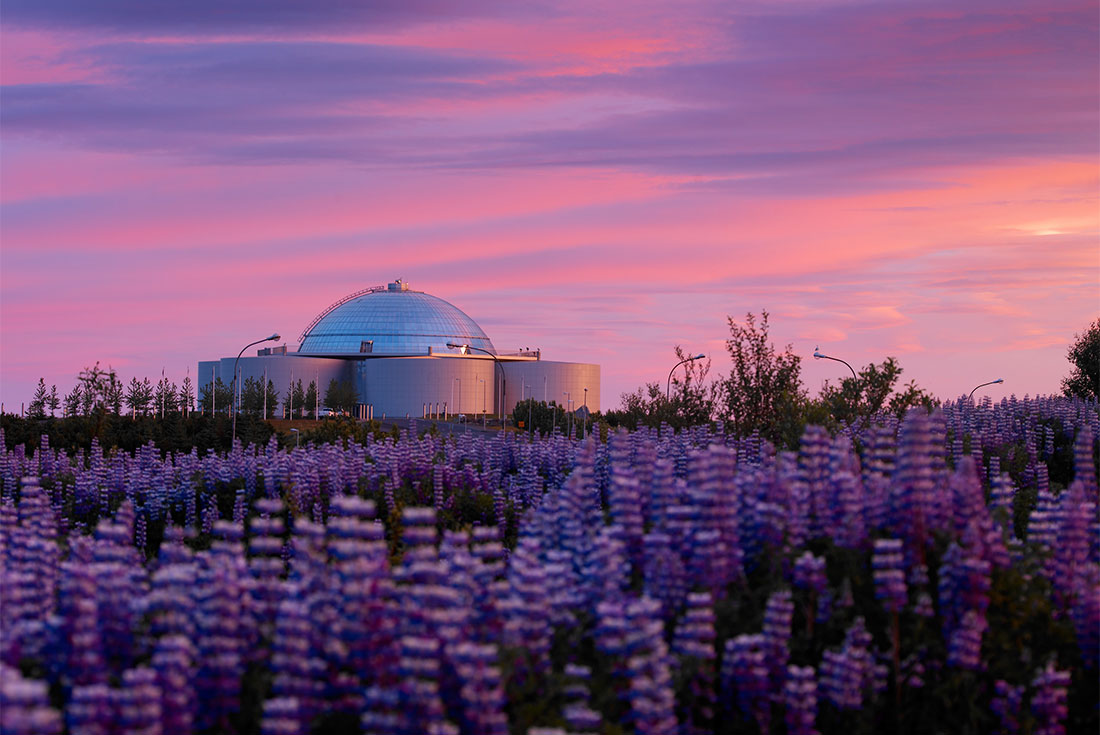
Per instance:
{"type": "Point", "coordinates": [408, 353]}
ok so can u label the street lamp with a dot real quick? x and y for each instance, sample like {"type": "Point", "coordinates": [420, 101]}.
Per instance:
{"type": "Point", "coordinates": [568, 400]}
{"type": "Point", "coordinates": [992, 382]}
{"type": "Point", "coordinates": [466, 348]}
{"type": "Point", "coordinates": [668, 384]}
{"type": "Point", "coordinates": [820, 356]}
{"type": "Point", "coordinates": [483, 412]}
{"type": "Point", "coordinates": [272, 338]}
{"type": "Point", "coordinates": [297, 437]}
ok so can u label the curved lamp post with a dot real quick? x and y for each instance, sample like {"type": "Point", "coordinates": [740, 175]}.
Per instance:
{"type": "Point", "coordinates": [233, 383]}
{"type": "Point", "coordinates": [468, 347]}
{"type": "Point", "coordinates": [992, 382]}
{"type": "Point", "coordinates": [668, 383]}
{"type": "Point", "coordinates": [820, 356]}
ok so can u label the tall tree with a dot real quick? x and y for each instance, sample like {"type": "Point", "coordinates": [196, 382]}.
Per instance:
{"type": "Point", "coordinates": [214, 397]}
{"type": "Point", "coordinates": [73, 400]}
{"type": "Point", "coordinates": [855, 400]}
{"type": "Point", "coordinates": [311, 399]}
{"type": "Point", "coordinates": [341, 396]}
{"type": "Point", "coordinates": [298, 399]}
{"type": "Point", "coordinates": [688, 400]}
{"type": "Point", "coordinates": [52, 401]}
{"type": "Point", "coordinates": [164, 397]}
{"type": "Point", "coordinates": [1084, 354]}
{"type": "Point", "coordinates": [187, 395]}
{"type": "Point", "coordinates": [37, 407]}
{"type": "Point", "coordinates": [272, 399]}
{"type": "Point", "coordinates": [764, 390]}
{"type": "Point", "coordinates": [113, 391]}
{"type": "Point", "coordinates": [252, 396]}
{"type": "Point", "coordinates": [94, 382]}
{"type": "Point", "coordinates": [133, 396]}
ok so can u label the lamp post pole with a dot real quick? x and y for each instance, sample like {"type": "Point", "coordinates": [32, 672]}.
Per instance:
{"type": "Point", "coordinates": [297, 437]}
{"type": "Point", "coordinates": [668, 383]}
{"type": "Point", "coordinates": [992, 382]}
{"type": "Point", "coordinates": [483, 415]}
{"type": "Point", "coordinates": [567, 398]}
{"type": "Point", "coordinates": [584, 425]}
{"type": "Point", "coordinates": [272, 338]}
{"type": "Point", "coordinates": [820, 356]}
{"type": "Point", "coordinates": [466, 347]}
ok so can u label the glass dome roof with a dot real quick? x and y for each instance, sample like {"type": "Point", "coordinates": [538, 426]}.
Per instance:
{"type": "Point", "coordinates": [391, 321]}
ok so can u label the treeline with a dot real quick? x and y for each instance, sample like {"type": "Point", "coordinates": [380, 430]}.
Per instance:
{"type": "Point", "coordinates": [99, 390]}
{"type": "Point", "coordinates": [764, 394]}
{"type": "Point", "coordinates": [174, 433]}
{"type": "Point", "coordinates": [298, 401]}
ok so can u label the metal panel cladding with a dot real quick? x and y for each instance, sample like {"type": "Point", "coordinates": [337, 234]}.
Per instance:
{"type": "Point", "coordinates": [395, 322]}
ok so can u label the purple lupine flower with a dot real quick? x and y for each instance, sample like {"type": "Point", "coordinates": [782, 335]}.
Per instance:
{"type": "Point", "coordinates": [577, 713]}
{"type": "Point", "coordinates": [80, 624]}
{"type": "Point", "coordinates": [1084, 471]}
{"type": "Point", "coordinates": [1086, 614]}
{"type": "Point", "coordinates": [778, 614]}
{"type": "Point", "coordinates": [964, 645]}
{"type": "Point", "coordinates": [651, 696]}
{"type": "Point", "coordinates": [140, 702]}
{"type": "Point", "coordinates": [888, 565]}
{"type": "Point", "coordinates": [1048, 703]}
{"type": "Point", "coordinates": [24, 705]}
{"type": "Point", "coordinates": [800, 699]}
{"type": "Point", "coordinates": [694, 639]}
{"type": "Point", "coordinates": [1070, 562]}
{"type": "Point", "coordinates": [813, 467]}
{"type": "Point", "coordinates": [281, 716]}
{"type": "Point", "coordinates": [296, 670]}
{"type": "Point", "coordinates": [845, 675]}
{"type": "Point", "coordinates": [173, 661]}
{"type": "Point", "coordinates": [481, 696]}
{"type": "Point", "coordinates": [918, 581]}
{"type": "Point", "coordinates": [745, 677]}
{"type": "Point", "coordinates": [91, 711]}
{"type": "Point", "coordinates": [809, 573]}
{"type": "Point", "coordinates": [849, 527]}
{"type": "Point", "coordinates": [1006, 704]}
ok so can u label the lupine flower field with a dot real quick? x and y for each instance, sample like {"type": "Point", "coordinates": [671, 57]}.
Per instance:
{"type": "Point", "coordinates": [935, 575]}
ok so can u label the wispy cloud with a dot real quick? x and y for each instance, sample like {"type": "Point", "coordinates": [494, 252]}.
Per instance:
{"type": "Point", "coordinates": [886, 178]}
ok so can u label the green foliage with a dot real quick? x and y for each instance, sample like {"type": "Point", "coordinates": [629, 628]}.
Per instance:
{"type": "Point", "coordinates": [37, 407]}
{"type": "Point", "coordinates": [217, 398]}
{"type": "Point", "coordinates": [173, 433]}
{"type": "Point", "coordinates": [763, 392]}
{"type": "Point", "coordinates": [333, 430]}
{"type": "Point", "coordinates": [311, 399]}
{"type": "Point", "coordinates": [542, 417]}
{"type": "Point", "coordinates": [857, 399]}
{"type": "Point", "coordinates": [686, 401]}
{"type": "Point", "coordinates": [1084, 380]}
{"type": "Point", "coordinates": [341, 397]}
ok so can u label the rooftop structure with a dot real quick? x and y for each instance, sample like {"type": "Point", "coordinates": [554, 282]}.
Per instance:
{"type": "Point", "coordinates": [391, 344]}
{"type": "Point", "coordinates": [390, 321]}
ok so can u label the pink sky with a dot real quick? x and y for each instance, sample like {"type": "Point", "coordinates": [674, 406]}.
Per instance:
{"type": "Point", "coordinates": [885, 178]}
